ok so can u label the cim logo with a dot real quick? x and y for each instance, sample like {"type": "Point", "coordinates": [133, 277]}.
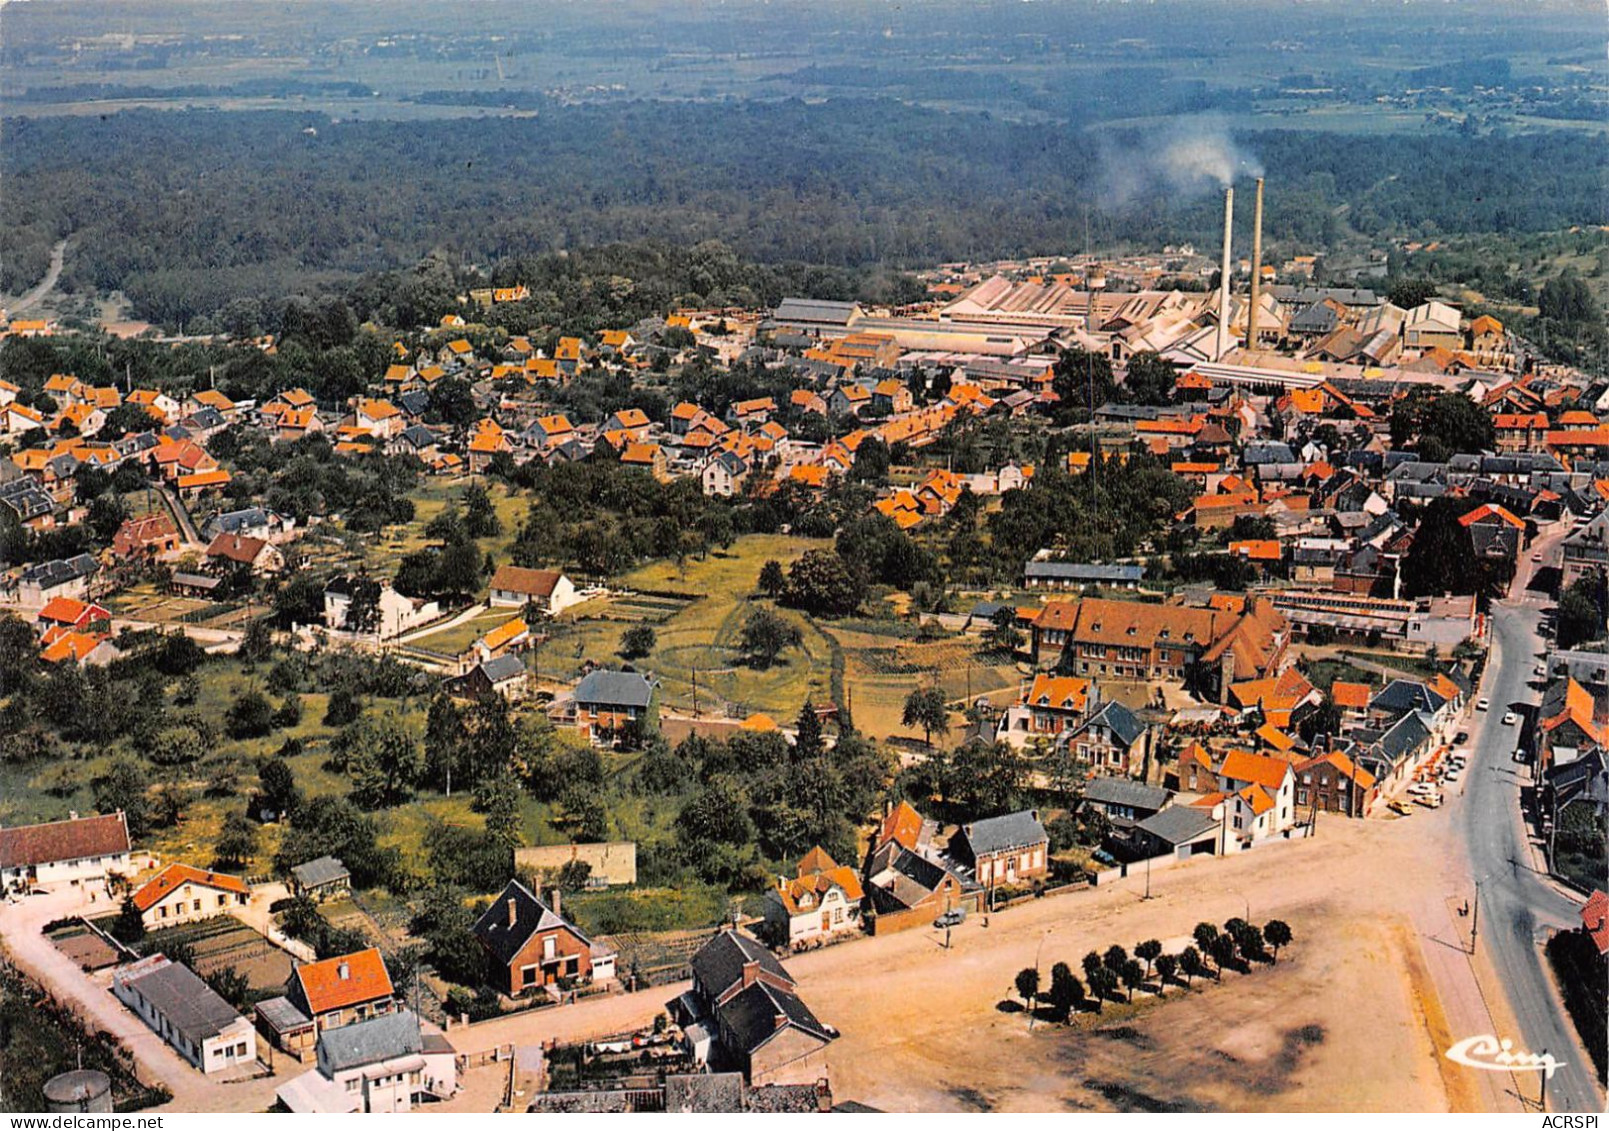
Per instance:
{"type": "Point", "coordinates": [1489, 1054]}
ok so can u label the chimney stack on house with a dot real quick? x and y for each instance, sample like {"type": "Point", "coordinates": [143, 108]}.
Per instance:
{"type": "Point", "coordinates": [1256, 268]}
{"type": "Point", "coordinates": [343, 971]}
{"type": "Point", "coordinates": [513, 913]}
{"type": "Point", "coordinates": [1223, 280]}
{"type": "Point", "coordinates": [555, 904]}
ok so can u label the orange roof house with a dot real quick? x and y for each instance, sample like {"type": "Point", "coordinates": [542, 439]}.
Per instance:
{"type": "Point", "coordinates": [336, 990]}
{"type": "Point", "coordinates": [71, 613]}
{"type": "Point", "coordinates": [1351, 696]}
{"type": "Point", "coordinates": [175, 876]}
{"type": "Point", "coordinates": [903, 825]}
{"type": "Point", "coordinates": [1061, 693]}
{"type": "Point", "coordinates": [69, 645]}
{"type": "Point", "coordinates": [204, 480]}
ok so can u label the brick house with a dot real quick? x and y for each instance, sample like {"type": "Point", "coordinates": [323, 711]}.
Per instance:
{"type": "Point", "coordinates": [530, 945]}
{"type": "Point", "coordinates": [1010, 849]}
{"type": "Point", "coordinates": [1334, 783]}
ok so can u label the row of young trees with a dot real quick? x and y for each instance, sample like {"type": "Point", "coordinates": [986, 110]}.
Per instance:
{"type": "Point", "coordinates": [1236, 946]}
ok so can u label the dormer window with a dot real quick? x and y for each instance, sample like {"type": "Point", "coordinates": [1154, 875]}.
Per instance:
{"type": "Point", "coordinates": [1096, 627]}
{"type": "Point", "coordinates": [1133, 629]}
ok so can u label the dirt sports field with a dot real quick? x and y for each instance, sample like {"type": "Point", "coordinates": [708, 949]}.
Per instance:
{"type": "Point", "coordinates": [1331, 1027]}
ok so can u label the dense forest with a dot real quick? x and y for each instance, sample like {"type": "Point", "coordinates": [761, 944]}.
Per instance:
{"type": "Point", "coordinates": [189, 211]}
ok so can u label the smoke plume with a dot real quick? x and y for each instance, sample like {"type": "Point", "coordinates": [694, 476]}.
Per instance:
{"type": "Point", "coordinates": [1185, 158]}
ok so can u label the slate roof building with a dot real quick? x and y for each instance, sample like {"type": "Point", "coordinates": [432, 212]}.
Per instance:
{"type": "Point", "coordinates": [1112, 739]}
{"type": "Point", "coordinates": [186, 1013]}
{"type": "Point", "coordinates": [1179, 830]}
{"type": "Point", "coordinates": [321, 879]}
{"type": "Point", "coordinates": [745, 1000]}
{"type": "Point", "coordinates": [1124, 800]}
{"type": "Point", "coordinates": [1010, 849]}
{"type": "Point", "coordinates": [386, 1064]}
{"type": "Point", "coordinates": [604, 702]}
{"type": "Point", "coordinates": [530, 945]}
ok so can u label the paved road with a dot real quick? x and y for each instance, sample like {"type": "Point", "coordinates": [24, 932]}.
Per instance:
{"type": "Point", "coordinates": [181, 515]}
{"type": "Point", "coordinates": [46, 285]}
{"type": "Point", "coordinates": [1519, 907]}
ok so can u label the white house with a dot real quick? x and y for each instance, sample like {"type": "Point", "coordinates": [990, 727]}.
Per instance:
{"type": "Point", "coordinates": [723, 475]}
{"type": "Point", "coordinates": [182, 894]}
{"type": "Point", "coordinates": [186, 1013]}
{"type": "Point", "coordinates": [548, 589]}
{"type": "Point", "coordinates": [394, 614]}
{"type": "Point", "coordinates": [75, 851]}
{"type": "Point", "coordinates": [1259, 795]}
{"type": "Point", "coordinates": [386, 1064]}
{"type": "Point", "coordinates": [822, 900]}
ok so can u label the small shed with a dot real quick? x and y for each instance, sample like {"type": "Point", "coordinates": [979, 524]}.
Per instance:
{"type": "Point", "coordinates": [321, 879]}
{"type": "Point", "coordinates": [288, 1028]}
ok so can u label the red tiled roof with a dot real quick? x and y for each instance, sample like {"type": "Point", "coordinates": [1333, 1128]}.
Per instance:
{"type": "Point", "coordinates": [174, 876]}
{"type": "Point", "coordinates": [63, 840]}
{"type": "Point", "coordinates": [532, 582]}
{"type": "Point", "coordinates": [324, 988]}
{"type": "Point", "coordinates": [1595, 918]}
{"type": "Point", "coordinates": [904, 825]}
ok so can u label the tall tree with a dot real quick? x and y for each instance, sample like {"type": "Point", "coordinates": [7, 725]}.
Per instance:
{"type": "Point", "coordinates": [1027, 982]}
{"type": "Point", "coordinates": [927, 708]}
{"type": "Point", "coordinates": [1278, 934]}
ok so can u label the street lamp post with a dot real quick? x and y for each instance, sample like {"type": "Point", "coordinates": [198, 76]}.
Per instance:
{"type": "Point", "coordinates": [1039, 952]}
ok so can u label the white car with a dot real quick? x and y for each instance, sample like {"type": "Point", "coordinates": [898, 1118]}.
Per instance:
{"type": "Point", "coordinates": [1534, 557]}
{"type": "Point", "coordinates": [1452, 776]}
{"type": "Point", "coordinates": [1541, 669]}
{"type": "Point", "coordinates": [1482, 704]}
{"type": "Point", "coordinates": [1510, 719]}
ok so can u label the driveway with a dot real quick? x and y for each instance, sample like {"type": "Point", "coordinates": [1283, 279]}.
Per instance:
{"type": "Point", "coordinates": [20, 924]}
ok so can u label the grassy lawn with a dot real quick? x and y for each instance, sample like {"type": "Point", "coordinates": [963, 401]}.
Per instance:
{"type": "Point", "coordinates": [1323, 673]}
{"type": "Point", "coordinates": [703, 633]}
{"type": "Point", "coordinates": [1416, 667]}
{"type": "Point", "coordinates": [457, 638]}
{"type": "Point", "coordinates": [881, 670]}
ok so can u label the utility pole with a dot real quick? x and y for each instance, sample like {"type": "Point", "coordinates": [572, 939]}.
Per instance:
{"type": "Point", "coordinates": [1543, 1102]}
{"type": "Point", "coordinates": [1474, 923]}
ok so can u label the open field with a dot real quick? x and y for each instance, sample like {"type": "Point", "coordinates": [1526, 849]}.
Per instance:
{"type": "Point", "coordinates": [1332, 1026]}
{"type": "Point", "coordinates": [700, 634]}
{"type": "Point", "coordinates": [880, 671]}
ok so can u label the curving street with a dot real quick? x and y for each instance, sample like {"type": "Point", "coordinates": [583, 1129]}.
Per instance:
{"type": "Point", "coordinates": [1519, 905]}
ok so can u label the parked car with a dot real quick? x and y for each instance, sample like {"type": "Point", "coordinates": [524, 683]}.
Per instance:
{"type": "Point", "coordinates": [1431, 802]}
{"type": "Point", "coordinates": [1536, 557]}
{"type": "Point", "coordinates": [1510, 719]}
{"type": "Point", "coordinates": [1400, 809]}
{"type": "Point", "coordinates": [1451, 776]}
{"type": "Point", "coordinates": [1483, 704]}
{"type": "Point", "coordinates": [951, 918]}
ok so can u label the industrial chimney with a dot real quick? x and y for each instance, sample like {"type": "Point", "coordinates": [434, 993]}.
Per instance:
{"type": "Point", "coordinates": [1223, 282]}
{"type": "Point", "coordinates": [1256, 268]}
